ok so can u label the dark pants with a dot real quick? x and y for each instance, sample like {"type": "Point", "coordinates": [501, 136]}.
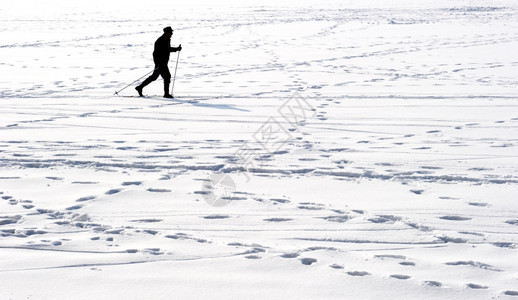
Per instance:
{"type": "Point", "coordinates": [163, 71]}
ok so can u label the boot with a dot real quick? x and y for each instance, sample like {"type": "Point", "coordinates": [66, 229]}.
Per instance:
{"type": "Point", "coordinates": [139, 90]}
{"type": "Point", "coordinates": [166, 90]}
{"type": "Point", "coordinates": [143, 85]}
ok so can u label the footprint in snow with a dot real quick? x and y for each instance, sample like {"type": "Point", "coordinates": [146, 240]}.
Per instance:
{"type": "Point", "coordinates": [10, 219]}
{"type": "Point", "coordinates": [358, 273]}
{"type": "Point", "coordinates": [310, 206]}
{"type": "Point", "coordinates": [126, 148]}
{"type": "Point", "coordinates": [81, 218]}
{"type": "Point", "coordinates": [290, 255]}
{"type": "Point", "coordinates": [158, 190]}
{"type": "Point", "coordinates": [115, 231]}
{"type": "Point", "coordinates": [28, 206]}
{"type": "Point", "coordinates": [74, 207]}
{"type": "Point", "coordinates": [85, 182]}
{"type": "Point", "coordinates": [480, 169]}
{"type": "Point", "coordinates": [476, 286]}
{"type": "Point", "coordinates": [455, 218]}
{"type": "Point", "coordinates": [214, 217]}
{"type": "Point", "coordinates": [336, 266]}
{"type": "Point", "coordinates": [385, 219]}
{"type": "Point", "coordinates": [168, 150]}
{"type": "Point", "coordinates": [277, 220]}
{"type": "Point", "coordinates": [383, 256]}
{"type": "Point", "coordinates": [153, 251]}
{"type": "Point", "coordinates": [448, 198]}
{"type": "Point", "coordinates": [306, 207]}
{"type": "Point", "coordinates": [253, 257]}
{"type": "Point", "coordinates": [447, 239]}
{"type": "Point", "coordinates": [475, 264]}
{"type": "Point", "coordinates": [431, 167]}
{"type": "Point", "coordinates": [183, 236]}
{"type": "Point", "coordinates": [400, 276]}
{"type": "Point", "coordinates": [419, 227]}
{"type": "Point", "coordinates": [432, 283]}
{"type": "Point", "coordinates": [113, 191]}
{"type": "Point", "coordinates": [29, 232]}
{"type": "Point", "coordinates": [479, 204]}
{"type": "Point", "coordinates": [147, 220]}
{"type": "Point", "coordinates": [308, 261]}
{"type": "Point", "coordinates": [277, 200]}
{"type": "Point", "coordinates": [87, 198]}
{"type": "Point", "coordinates": [336, 219]}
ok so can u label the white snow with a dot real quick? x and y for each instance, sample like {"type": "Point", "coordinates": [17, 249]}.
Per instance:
{"type": "Point", "coordinates": [314, 150]}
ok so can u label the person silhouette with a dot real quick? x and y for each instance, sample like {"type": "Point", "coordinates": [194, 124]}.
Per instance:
{"type": "Point", "coordinates": [161, 58]}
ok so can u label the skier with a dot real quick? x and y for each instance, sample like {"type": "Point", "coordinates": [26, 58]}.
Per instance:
{"type": "Point", "coordinates": [161, 58]}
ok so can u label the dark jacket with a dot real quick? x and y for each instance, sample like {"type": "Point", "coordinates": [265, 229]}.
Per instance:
{"type": "Point", "coordinates": [162, 50]}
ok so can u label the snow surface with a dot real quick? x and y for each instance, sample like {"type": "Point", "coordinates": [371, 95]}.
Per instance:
{"type": "Point", "coordinates": [314, 150]}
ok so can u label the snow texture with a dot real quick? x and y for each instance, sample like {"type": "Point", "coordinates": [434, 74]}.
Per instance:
{"type": "Point", "coordinates": [313, 150]}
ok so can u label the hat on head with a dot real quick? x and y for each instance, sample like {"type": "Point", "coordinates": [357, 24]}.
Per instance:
{"type": "Point", "coordinates": [168, 29]}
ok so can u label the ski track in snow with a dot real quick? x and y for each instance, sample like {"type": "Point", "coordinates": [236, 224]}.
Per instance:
{"type": "Point", "coordinates": [392, 179]}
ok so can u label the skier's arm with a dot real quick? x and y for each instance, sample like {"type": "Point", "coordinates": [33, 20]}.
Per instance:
{"type": "Point", "coordinates": [174, 49]}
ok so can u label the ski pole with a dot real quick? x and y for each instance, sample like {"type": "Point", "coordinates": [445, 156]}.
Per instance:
{"type": "Point", "coordinates": [174, 78]}
{"type": "Point", "coordinates": [117, 92]}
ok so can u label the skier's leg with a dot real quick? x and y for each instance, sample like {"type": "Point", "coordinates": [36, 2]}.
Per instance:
{"type": "Point", "coordinates": [148, 80]}
{"type": "Point", "coordinates": [166, 90]}
{"type": "Point", "coordinates": [166, 75]}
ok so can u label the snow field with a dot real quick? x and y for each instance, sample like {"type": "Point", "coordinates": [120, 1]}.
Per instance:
{"type": "Point", "coordinates": [396, 177]}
